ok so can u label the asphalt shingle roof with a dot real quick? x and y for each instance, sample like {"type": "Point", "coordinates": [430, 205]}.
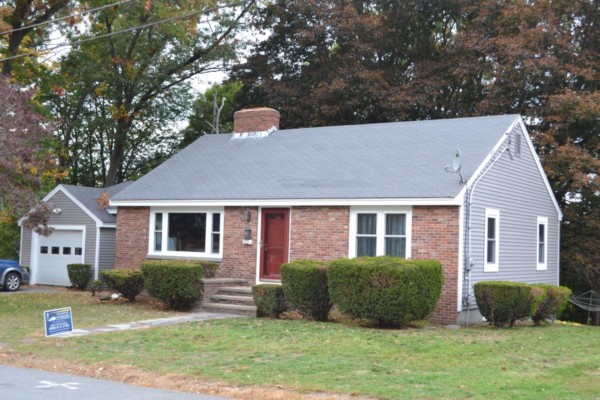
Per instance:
{"type": "Point", "coordinates": [387, 160]}
{"type": "Point", "coordinates": [87, 197]}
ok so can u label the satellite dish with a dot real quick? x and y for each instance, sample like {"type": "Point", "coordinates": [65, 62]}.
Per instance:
{"type": "Point", "coordinates": [456, 166]}
{"type": "Point", "coordinates": [456, 163]}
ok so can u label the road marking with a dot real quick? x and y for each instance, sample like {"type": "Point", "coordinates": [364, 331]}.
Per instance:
{"type": "Point", "coordinates": [48, 384]}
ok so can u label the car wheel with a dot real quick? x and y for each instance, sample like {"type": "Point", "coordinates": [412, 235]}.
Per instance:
{"type": "Point", "coordinates": [12, 282]}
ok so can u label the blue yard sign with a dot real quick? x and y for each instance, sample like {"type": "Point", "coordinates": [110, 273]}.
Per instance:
{"type": "Point", "coordinates": [58, 321]}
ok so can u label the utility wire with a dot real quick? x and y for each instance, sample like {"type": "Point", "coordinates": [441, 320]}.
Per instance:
{"type": "Point", "coordinates": [63, 18]}
{"type": "Point", "coordinates": [159, 22]}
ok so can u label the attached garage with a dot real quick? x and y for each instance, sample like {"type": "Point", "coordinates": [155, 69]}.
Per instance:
{"type": "Point", "coordinates": [84, 232]}
{"type": "Point", "coordinates": [55, 252]}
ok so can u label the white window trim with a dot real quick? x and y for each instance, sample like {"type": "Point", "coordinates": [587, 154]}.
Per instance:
{"type": "Point", "coordinates": [381, 213]}
{"type": "Point", "coordinates": [208, 255]}
{"type": "Point", "coordinates": [541, 221]}
{"type": "Point", "coordinates": [491, 267]}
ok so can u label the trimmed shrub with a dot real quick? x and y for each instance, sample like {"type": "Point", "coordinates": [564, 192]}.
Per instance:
{"type": "Point", "coordinates": [269, 300]}
{"type": "Point", "coordinates": [388, 290]}
{"type": "Point", "coordinates": [503, 302]}
{"type": "Point", "coordinates": [305, 287]}
{"type": "Point", "coordinates": [80, 275]}
{"type": "Point", "coordinates": [96, 286]}
{"type": "Point", "coordinates": [550, 302]}
{"type": "Point", "coordinates": [175, 282]}
{"type": "Point", "coordinates": [210, 269]}
{"type": "Point", "coordinates": [128, 282]}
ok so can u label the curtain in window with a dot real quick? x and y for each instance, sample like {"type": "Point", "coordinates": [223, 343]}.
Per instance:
{"type": "Point", "coordinates": [366, 239]}
{"type": "Point", "coordinates": [395, 235]}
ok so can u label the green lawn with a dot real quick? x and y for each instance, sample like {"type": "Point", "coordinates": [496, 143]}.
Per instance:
{"type": "Point", "coordinates": [557, 362]}
{"type": "Point", "coordinates": [21, 314]}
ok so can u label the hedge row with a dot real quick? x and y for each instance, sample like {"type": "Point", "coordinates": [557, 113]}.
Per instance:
{"type": "Point", "coordinates": [390, 291]}
{"type": "Point", "coordinates": [175, 282]}
{"type": "Point", "coordinates": [80, 275]}
{"type": "Point", "coordinates": [305, 287]}
{"type": "Point", "coordinates": [269, 300]}
{"type": "Point", "coordinates": [502, 302]}
{"type": "Point", "coordinates": [128, 282]}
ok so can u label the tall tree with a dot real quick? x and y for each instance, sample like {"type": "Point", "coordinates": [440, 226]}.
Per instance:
{"type": "Point", "coordinates": [342, 61]}
{"type": "Point", "coordinates": [23, 161]}
{"type": "Point", "coordinates": [339, 61]}
{"type": "Point", "coordinates": [25, 19]}
{"type": "Point", "coordinates": [212, 112]}
{"type": "Point", "coordinates": [119, 96]}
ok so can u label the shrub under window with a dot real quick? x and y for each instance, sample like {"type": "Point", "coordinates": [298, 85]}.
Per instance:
{"type": "Point", "coordinates": [391, 291]}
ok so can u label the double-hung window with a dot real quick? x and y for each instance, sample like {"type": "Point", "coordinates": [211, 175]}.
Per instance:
{"type": "Point", "coordinates": [377, 232]}
{"type": "Point", "coordinates": [186, 232]}
{"type": "Point", "coordinates": [542, 243]}
{"type": "Point", "coordinates": [492, 242]}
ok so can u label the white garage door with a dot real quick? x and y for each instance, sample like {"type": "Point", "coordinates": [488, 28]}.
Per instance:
{"type": "Point", "coordinates": [55, 252]}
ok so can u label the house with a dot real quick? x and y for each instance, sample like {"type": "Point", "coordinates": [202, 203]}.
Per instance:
{"type": "Point", "coordinates": [84, 232]}
{"type": "Point", "coordinates": [469, 192]}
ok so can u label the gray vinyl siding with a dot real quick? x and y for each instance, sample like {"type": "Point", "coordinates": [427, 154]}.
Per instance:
{"type": "Point", "coordinates": [25, 250]}
{"type": "Point", "coordinates": [517, 189]}
{"type": "Point", "coordinates": [106, 259]}
{"type": "Point", "coordinates": [73, 215]}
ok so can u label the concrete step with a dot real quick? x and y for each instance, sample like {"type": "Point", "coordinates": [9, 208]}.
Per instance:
{"type": "Point", "coordinates": [236, 290]}
{"type": "Point", "coordinates": [232, 299]}
{"type": "Point", "coordinates": [230, 308]}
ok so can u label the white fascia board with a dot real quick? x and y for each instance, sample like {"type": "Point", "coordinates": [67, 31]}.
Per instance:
{"type": "Point", "coordinates": [81, 206]}
{"type": "Point", "coordinates": [61, 188]}
{"type": "Point", "coordinates": [536, 158]}
{"type": "Point", "coordinates": [491, 154]}
{"type": "Point", "coordinates": [447, 201]}
{"type": "Point", "coordinates": [47, 197]}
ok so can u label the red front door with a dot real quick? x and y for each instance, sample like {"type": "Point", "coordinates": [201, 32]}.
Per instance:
{"type": "Point", "coordinates": [274, 243]}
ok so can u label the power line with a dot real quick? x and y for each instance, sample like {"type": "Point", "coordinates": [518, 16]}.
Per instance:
{"type": "Point", "coordinates": [64, 18]}
{"type": "Point", "coordinates": [159, 22]}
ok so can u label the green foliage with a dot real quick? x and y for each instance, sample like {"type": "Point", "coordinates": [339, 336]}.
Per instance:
{"type": "Point", "coordinates": [177, 283]}
{"type": "Point", "coordinates": [128, 282]}
{"type": "Point", "coordinates": [96, 285]}
{"type": "Point", "coordinates": [269, 300]}
{"type": "Point", "coordinates": [9, 239]}
{"type": "Point", "coordinates": [550, 302]}
{"type": "Point", "coordinates": [116, 98]}
{"type": "Point", "coordinates": [503, 302]}
{"type": "Point", "coordinates": [305, 287]}
{"type": "Point", "coordinates": [210, 269]}
{"type": "Point", "coordinates": [80, 275]}
{"type": "Point", "coordinates": [390, 291]}
{"type": "Point", "coordinates": [203, 120]}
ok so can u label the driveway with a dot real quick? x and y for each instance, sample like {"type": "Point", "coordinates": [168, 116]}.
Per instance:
{"type": "Point", "coordinates": [30, 384]}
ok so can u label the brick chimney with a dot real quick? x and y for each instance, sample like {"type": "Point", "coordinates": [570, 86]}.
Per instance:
{"type": "Point", "coordinates": [255, 120]}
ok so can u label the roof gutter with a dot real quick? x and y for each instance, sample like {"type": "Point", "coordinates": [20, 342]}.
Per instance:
{"type": "Point", "coordinates": [446, 201]}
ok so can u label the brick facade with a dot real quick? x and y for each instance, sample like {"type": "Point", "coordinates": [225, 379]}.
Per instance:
{"type": "Point", "coordinates": [319, 233]}
{"type": "Point", "coordinates": [435, 234]}
{"type": "Point", "coordinates": [239, 259]}
{"type": "Point", "coordinates": [132, 236]}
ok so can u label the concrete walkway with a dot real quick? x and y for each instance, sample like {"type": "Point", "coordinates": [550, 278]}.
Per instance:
{"type": "Point", "coordinates": [150, 323]}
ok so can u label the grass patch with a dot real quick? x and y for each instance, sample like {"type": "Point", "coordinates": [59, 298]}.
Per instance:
{"type": "Point", "coordinates": [22, 313]}
{"type": "Point", "coordinates": [559, 361]}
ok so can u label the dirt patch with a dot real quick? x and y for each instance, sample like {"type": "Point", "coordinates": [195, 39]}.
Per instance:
{"type": "Point", "coordinates": [183, 383]}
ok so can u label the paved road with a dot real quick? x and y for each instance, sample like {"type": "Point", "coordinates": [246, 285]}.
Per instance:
{"type": "Point", "coordinates": [30, 384]}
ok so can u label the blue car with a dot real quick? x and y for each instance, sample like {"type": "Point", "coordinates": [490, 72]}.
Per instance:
{"type": "Point", "coordinates": [12, 275]}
